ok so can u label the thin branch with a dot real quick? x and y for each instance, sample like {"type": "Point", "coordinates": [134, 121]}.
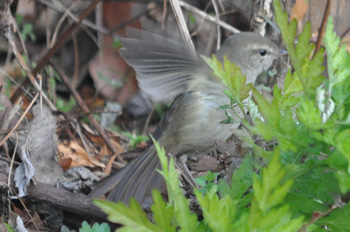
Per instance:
{"type": "Point", "coordinates": [323, 25]}
{"type": "Point", "coordinates": [20, 120]}
{"type": "Point", "coordinates": [217, 14]}
{"type": "Point", "coordinates": [57, 45]}
{"type": "Point", "coordinates": [208, 17]}
{"type": "Point", "coordinates": [183, 26]}
{"type": "Point", "coordinates": [61, 9]}
{"type": "Point", "coordinates": [86, 110]}
{"type": "Point", "coordinates": [29, 73]}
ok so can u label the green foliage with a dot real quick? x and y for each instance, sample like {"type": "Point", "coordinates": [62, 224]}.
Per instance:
{"type": "Point", "coordinates": [113, 83]}
{"type": "Point", "coordinates": [116, 43]}
{"type": "Point", "coordinates": [337, 220]}
{"type": "Point", "coordinates": [232, 77]}
{"type": "Point", "coordinates": [186, 220]}
{"type": "Point", "coordinates": [307, 71]}
{"type": "Point", "coordinates": [295, 184]}
{"type": "Point", "coordinates": [228, 212]}
{"type": "Point", "coordinates": [65, 106]}
{"type": "Point", "coordinates": [206, 182]}
{"type": "Point", "coordinates": [26, 29]}
{"type": "Point", "coordinates": [134, 139]}
{"type": "Point", "coordinates": [133, 217]}
{"type": "Point", "coordinates": [85, 227]}
{"type": "Point", "coordinates": [166, 216]}
{"type": "Point", "coordinates": [218, 214]}
{"type": "Point", "coordinates": [8, 227]}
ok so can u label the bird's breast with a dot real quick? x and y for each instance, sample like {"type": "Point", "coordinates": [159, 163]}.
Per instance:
{"type": "Point", "coordinates": [201, 122]}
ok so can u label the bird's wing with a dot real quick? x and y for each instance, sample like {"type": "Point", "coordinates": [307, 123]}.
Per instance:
{"type": "Point", "coordinates": [163, 66]}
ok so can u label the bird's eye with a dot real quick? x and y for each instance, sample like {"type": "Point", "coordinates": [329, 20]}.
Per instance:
{"type": "Point", "coordinates": [262, 52]}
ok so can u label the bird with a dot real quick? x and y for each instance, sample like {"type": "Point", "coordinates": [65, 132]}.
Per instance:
{"type": "Point", "coordinates": [165, 70]}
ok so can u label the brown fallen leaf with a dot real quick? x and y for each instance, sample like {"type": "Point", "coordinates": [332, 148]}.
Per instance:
{"type": "Point", "coordinates": [75, 154]}
{"type": "Point", "coordinates": [299, 10]}
{"type": "Point", "coordinates": [101, 144]}
{"type": "Point", "coordinates": [113, 78]}
{"type": "Point", "coordinates": [206, 163]}
{"type": "Point", "coordinates": [108, 168]}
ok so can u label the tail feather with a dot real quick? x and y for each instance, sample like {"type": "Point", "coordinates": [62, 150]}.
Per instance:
{"type": "Point", "coordinates": [136, 180]}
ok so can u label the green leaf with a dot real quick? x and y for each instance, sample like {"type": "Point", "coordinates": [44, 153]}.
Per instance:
{"type": "Point", "coordinates": [185, 219]}
{"type": "Point", "coordinates": [269, 191]}
{"type": "Point", "coordinates": [342, 143]}
{"type": "Point", "coordinates": [116, 43]}
{"type": "Point", "coordinates": [132, 217]}
{"type": "Point", "coordinates": [268, 110]}
{"type": "Point", "coordinates": [104, 227]}
{"type": "Point", "coordinates": [65, 106]}
{"type": "Point", "coordinates": [309, 114]}
{"type": "Point", "coordinates": [8, 227]}
{"type": "Point", "coordinates": [292, 84]}
{"type": "Point", "coordinates": [337, 221]}
{"type": "Point", "coordinates": [337, 58]}
{"type": "Point", "coordinates": [218, 213]}
{"type": "Point", "coordinates": [242, 180]}
{"type": "Point", "coordinates": [307, 69]}
{"type": "Point", "coordinates": [344, 181]}
{"type": "Point", "coordinates": [231, 76]}
{"type": "Point", "coordinates": [302, 203]}
{"type": "Point", "coordinates": [206, 182]}
{"type": "Point", "coordinates": [162, 214]}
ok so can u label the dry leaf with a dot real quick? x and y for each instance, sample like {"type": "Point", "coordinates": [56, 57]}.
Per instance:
{"type": "Point", "coordinates": [299, 10]}
{"type": "Point", "coordinates": [76, 155]}
{"type": "Point", "coordinates": [109, 165]}
{"type": "Point", "coordinates": [101, 144]}
{"type": "Point", "coordinates": [113, 78]}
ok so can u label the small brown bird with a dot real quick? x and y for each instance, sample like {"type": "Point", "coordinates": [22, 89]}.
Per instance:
{"type": "Point", "coordinates": [164, 70]}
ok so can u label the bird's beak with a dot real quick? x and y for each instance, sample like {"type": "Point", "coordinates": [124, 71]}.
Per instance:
{"type": "Point", "coordinates": [282, 53]}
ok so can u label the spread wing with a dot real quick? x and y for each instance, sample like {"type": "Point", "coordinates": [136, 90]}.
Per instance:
{"type": "Point", "coordinates": [163, 66]}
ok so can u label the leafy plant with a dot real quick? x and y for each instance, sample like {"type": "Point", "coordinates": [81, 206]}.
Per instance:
{"type": "Point", "coordinates": [8, 227]}
{"type": "Point", "coordinates": [206, 182]}
{"type": "Point", "coordinates": [295, 185]}
{"type": "Point", "coordinates": [26, 29]}
{"type": "Point", "coordinates": [134, 139]}
{"type": "Point", "coordinates": [65, 106]}
{"type": "Point", "coordinates": [85, 227]}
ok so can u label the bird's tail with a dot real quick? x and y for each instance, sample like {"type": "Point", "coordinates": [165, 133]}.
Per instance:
{"type": "Point", "coordinates": [137, 180]}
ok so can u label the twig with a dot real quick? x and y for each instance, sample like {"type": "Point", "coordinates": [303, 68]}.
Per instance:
{"type": "Point", "coordinates": [183, 26]}
{"type": "Point", "coordinates": [57, 45]}
{"type": "Point", "coordinates": [15, 82]}
{"type": "Point", "coordinates": [344, 33]}
{"type": "Point", "coordinates": [217, 14]}
{"type": "Point", "coordinates": [57, 28]}
{"type": "Point", "coordinates": [209, 17]}
{"type": "Point", "coordinates": [131, 20]}
{"type": "Point", "coordinates": [323, 25]}
{"type": "Point", "coordinates": [86, 110]}
{"type": "Point", "coordinates": [20, 120]}
{"type": "Point", "coordinates": [145, 129]}
{"type": "Point", "coordinates": [59, 8]}
{"type": "Point", "coordinates": [27, 210]}
{"type": "Point", "coordinates": [76, 60]}
{"type": "Point", "coordinates": [315, 218]}
{"type": "Point", "coordinates": [165, 9]}
{"type": "Point", "coordinates": [11, 167]}
{"type": "Point", "coordinates": [195, 32]}
{"type": "Point", "coordinates": [29, 73]}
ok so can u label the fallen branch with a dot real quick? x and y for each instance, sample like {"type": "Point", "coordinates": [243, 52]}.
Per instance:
{"type": "Point", "coordinates": [57, 197]}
